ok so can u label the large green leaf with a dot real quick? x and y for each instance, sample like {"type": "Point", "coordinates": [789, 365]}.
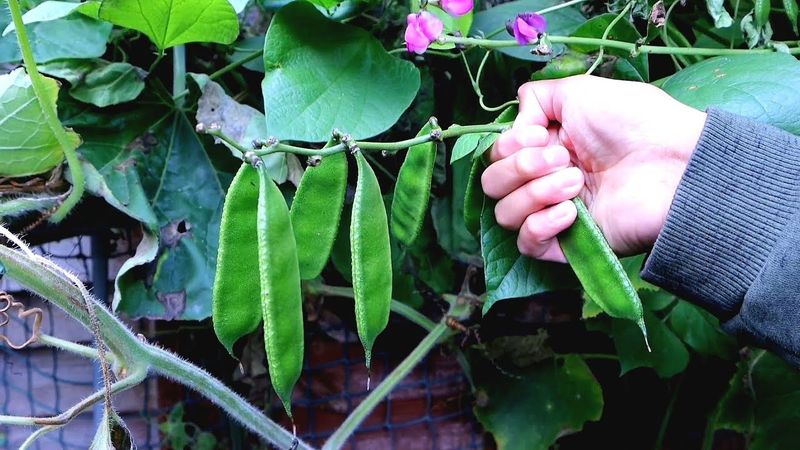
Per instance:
{"type": "Point", "coordinates": [187, 196]}
{"type": "Point", "coordinates": [561, 22]}
{"type": "Point", "coordinates": [113, 142]}
{"type": "Point", "coordinates": [99, 82]}
{"type": "Point", "coordinates": [700, 330]}
{"type": "Point", "coordinates": [763, 87]}
{"type": "Point", "coordinates": [27, 144]}
{"type": "Point", "coordinates": [53, 10]}
{"type": "Point", "coordinates": [56, 39]}
{"type": "Point", "coordinates": [448, 216]}
{"type": "Point", "coordinates": [668, 356]}
{"type": "Point", "coordinates": [547, 400]}
{"type": "Point", "coordinates": [174, 22]}
{"type": "Point", "coordinates": [510, 274]}
{"type": "Point", "coordinates": [762, 403]}
{"type": "Point", "coordinates": [337, 76]}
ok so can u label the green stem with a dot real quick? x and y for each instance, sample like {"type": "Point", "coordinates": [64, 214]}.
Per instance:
{"type": "Point", "coordinates": [236, 64]}
{"type": "Point", "coordinates": [398, 307]}
{"type": "Point", "coordinates": [166, 364]}
{"type": "Point", "coordinates": [72, 347]}
{"type": "Point", "coordinates": [389, 147]}
{"type": "Point", "coordinates": [50, 115]}
{"type": "Point", "coordinates": [342, 434]}
{"type": "Point", "coordinates": [611, 25]}
{"type": "Point", "coordinates": [178, 74]}
{"type": "Point", "coordinates": [629, 46]}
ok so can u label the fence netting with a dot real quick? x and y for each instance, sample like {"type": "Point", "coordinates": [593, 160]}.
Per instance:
{"type": "Point", "coordinates": [430, 409]}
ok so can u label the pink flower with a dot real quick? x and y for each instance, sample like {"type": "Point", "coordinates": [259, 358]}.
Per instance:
{"type": "Point", "coordinates": [423, 28]}
{"type": "Point", "coordinates": [527, 27]}
{"type": "Point", "coordinates": [457, 7]}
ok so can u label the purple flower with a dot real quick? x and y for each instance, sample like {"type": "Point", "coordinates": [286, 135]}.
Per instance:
{"type": "Point", "coordinates": [457, 7]}
{"type": "Point", "coordinates": [527, 27]}
{"type": "Point", "coordinates": [423, 28]}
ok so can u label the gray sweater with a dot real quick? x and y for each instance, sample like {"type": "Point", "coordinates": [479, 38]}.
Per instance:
{"type": "Point", "coordinates": [731, 242]}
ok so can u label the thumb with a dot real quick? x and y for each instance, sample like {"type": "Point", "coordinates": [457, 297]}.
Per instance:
{"type": "Point", "coordinates": [540, 102]}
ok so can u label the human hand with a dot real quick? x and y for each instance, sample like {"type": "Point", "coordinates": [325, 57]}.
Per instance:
{"type": "Point", "coordinates": [621, 146]}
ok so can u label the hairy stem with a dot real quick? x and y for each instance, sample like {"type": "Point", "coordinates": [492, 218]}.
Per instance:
{"type": "Point", "coordinates": [133, 352]}
{"type": "Point", "coordinates": [69, 346]}
{"type": "Point", "coordinates": [342, 434]}
{"type": "Point", "coordinates": [50, 115]}
{"type": "Point", "coordinates": [610, 43]}
{"type": "Point", "coordinates": [166, 364]}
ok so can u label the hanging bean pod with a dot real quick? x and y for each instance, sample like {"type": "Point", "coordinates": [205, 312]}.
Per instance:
{"type": "Point", "coordinates": [281, 297]}
{"type": "Point", "coordinates": [413, 189]}
{"type": "Point", "coordinates": [316, 212]}
{"type": "Point", "coordinates": [371, 257]}
{"type": "Point", "coordinates": [235, 305]}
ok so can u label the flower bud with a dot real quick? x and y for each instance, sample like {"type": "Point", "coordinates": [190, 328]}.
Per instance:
{"type": "Point", "coordinates": [457, 7]}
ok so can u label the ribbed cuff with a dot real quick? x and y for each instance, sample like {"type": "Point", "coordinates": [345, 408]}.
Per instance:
{"type": "Point", "coordinates": [740, 188]}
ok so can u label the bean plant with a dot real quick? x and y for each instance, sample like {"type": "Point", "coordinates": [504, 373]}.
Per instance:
{"type": "Point", "coordinates": [353, 172]}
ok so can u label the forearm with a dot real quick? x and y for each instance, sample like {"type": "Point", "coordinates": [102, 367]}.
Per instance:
{"type": "Point", "coordinates": [734, 209]}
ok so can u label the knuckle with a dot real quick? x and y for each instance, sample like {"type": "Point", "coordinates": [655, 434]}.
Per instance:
{"type": "Point", "coordinates": [525, 90]}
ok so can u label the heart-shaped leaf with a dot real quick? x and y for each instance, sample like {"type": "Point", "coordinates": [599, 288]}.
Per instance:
{"type": "Point", "coordinates": [337, 76]}
{"type": "Point", "coordinates": [171, 23]}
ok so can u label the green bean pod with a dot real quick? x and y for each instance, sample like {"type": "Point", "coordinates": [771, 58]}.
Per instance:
{"type": "Point", "coordinates": [235, 305]}
{"type": "Point", "coordinates": [790, 6]}
{"type": "Point", "coordinates": [371, 257]}
{"type": "Point", "coordinates": [316, 212]}
{"type": "Point", "coordinates": [762, 9]}
{"type": "Point", "coordinates": [413, 189]}
{"type": "Point", "coordinates": [599, 270]}
{"type": "Point", "coordinates": [281, 298]}
{"type": "Point", "coordinates": [473, 197]}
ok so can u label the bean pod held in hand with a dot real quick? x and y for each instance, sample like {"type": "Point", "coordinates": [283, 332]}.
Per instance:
{"type": "Point", "coordinates": [413, 189]}
{"type": "Point", "coordinates": [316, 212]}
{"type": "Point", "coordinates": [236, 309]}
{"type": "Point", "coordinates": [371, 257]}
{"type": "Point", "coordinates": [599, 270]}
{"type": "Point", "coordinates": [281, 297]}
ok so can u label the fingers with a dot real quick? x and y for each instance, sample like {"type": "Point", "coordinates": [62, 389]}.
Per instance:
{"type": "Point", "coordinates": [513, 140]}
{"type": "Point", "coordinates": [537, 237]}
{"type": "Point", "coordinates": [506, 175]}
{"type": "Point", "coordinates": [557, 187]}
{"type": "Point", "coordinates": [540, 102]}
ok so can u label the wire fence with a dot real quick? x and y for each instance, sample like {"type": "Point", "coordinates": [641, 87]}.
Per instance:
{"type": "Point", "coordinates": [430, 409]}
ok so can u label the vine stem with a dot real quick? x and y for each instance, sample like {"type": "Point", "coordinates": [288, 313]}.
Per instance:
{"type": "Point", "coordinates": [608, 29]}
{"type": "Point", "coordinates": [342, 434]}
{"type": "Point", "coordinates": [50, 115]}
{"type": "Point", "coordinates": [134, 352]}
{"type": "Point", "coordinates": [389, 147]}
{"type": "Point", "coordinates": [610, 43]}
{"type": "Point", "coordinates": [411, 314]}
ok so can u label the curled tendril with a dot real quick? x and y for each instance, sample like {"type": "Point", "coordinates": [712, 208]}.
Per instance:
{"type": "Point", "coordinates": [6, 303]}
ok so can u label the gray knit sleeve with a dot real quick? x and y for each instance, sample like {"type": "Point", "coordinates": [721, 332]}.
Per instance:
{"type": "Point", "coordinates": [731, 242]}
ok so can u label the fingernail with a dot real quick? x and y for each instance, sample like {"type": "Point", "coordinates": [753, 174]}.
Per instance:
{"type": "Point", "coordinates": [559, 212]}
{"type": "Point", "coordinates": [532, 136]}
{"type": "Point", "coordinates": [555, 156]}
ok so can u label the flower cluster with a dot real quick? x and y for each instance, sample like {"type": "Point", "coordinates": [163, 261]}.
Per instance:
{"type": "Point", "coordinates": [424, 27]}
